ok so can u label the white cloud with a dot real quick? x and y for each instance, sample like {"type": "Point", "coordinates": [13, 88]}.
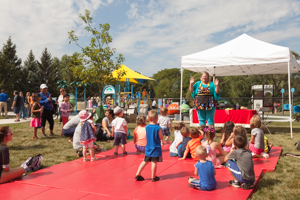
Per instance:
{"type": "Point", "coordinates": [36, 24]}
{"type": "Point", "coordinates": [182, 27]}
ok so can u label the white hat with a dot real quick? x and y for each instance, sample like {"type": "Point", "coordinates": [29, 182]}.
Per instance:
{"type": "Point", "coordinates": [43, 86]}
{"type": "Point", "coordinates": [84, 115]}
{"type": "Point", "coordinates": [118, 110]}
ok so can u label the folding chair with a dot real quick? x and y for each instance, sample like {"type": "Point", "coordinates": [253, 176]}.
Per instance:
{"type": "Point", "coordinates": [264, 110]}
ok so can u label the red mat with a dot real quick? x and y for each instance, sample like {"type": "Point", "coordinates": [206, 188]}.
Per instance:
{"type": "Point", "coordinates": [112, 177]}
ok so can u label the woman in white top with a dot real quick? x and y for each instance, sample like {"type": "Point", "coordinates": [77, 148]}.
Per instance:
{"type": "Point", "coordinates": [107, 126]}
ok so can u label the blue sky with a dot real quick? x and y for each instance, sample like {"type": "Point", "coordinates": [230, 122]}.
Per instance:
{"type": "Point", "coordinates": [153, 34]}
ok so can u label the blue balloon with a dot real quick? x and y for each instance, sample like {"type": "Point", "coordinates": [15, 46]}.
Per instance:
{"type": "Point", "coordinates": [282, 90]}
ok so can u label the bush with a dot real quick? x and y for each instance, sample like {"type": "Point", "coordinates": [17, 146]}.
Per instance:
{"type": "Point", "coordinates": [296, 117]}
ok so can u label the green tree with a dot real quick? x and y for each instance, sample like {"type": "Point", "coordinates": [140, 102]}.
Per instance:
{"type": "Point", "coordinates": [48, 68]}
{"type": "Point", "coordinates": [32, 72]}
{"type": "Point", "coordinates": [95, 62]}
{"type": "Point", "coordinates": [11, 70]}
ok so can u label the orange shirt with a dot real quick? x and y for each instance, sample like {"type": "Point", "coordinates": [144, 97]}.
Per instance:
{"type": "Point", "coordinates": [192, 145]}
{"type": "Point", "coordinates": [140, 135]}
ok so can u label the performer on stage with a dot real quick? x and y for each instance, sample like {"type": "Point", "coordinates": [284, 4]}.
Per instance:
{"type": "Point", "coordinates": [205, 94]}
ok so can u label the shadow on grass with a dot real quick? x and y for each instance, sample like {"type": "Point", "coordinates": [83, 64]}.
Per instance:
{"type": "Point", "coordinates": [37, 146]}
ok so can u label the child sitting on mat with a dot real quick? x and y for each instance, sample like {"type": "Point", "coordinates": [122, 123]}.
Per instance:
{"type": "Point", "coordinates": [119, 130]}
{"type": "Point", "coordinates": [212, 147]}
{"type": "Point", "coordinates": [181, 146]}
{"type": "Point", "coordinates": [192, 144]}
{"type": "Point", "coordinates": [257, 143]}
{"type": "Point", "coordinates": [239, 162]}
{"type": "Point", "coordinates": [177, 139]}
{"type": "Point", "coordinates": [226, 133]}
{"type": "Point", "coordinates": [139, 137]}
{"type": "Point", "coordinates": [153, 152]}
{"type": "Point", "coordinates": [205, 170]}
{"type": "Point", "coordinates": [236, 130]}
{"type": "Point", "coordinates": [268, 145]}
{"type": "Point", "coordinates": [164, 122]}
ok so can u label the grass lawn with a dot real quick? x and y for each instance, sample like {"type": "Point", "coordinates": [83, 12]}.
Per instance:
{"type": "Point", "coordinates": [283, 183]}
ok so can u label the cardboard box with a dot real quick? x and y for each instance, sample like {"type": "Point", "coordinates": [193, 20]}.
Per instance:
{"type": "Point", "coordinates": [130, 118]}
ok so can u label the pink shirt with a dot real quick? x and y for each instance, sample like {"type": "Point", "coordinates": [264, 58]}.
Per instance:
{"type": "Point", "coordinates": [140, 135]}
{"type": "Point", "coordinates": [64, 109]}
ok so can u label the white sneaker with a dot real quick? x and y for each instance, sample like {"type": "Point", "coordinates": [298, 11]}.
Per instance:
{"type": "Point", "coordinates": [265, 155]}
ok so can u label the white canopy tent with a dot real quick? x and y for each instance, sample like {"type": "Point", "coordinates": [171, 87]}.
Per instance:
{"type": "Point", "coordinates": [243, 55]}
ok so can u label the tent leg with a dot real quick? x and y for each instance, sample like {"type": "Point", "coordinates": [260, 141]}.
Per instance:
{"type": "Point", "coordinates": [290, 105]}
{"type": "Point", "coordinates": [181, 93]}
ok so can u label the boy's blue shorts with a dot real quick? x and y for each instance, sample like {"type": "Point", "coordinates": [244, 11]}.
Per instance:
{"type": "Point", "coordinates": [232, 166]}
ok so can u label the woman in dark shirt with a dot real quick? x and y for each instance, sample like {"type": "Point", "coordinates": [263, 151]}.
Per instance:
{"type": "Point", "coordinates": [7, 174]}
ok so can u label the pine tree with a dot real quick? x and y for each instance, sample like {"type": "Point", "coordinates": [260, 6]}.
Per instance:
{"type": "Point", "coordinates": [33, 75]}
{"type": "Point", "coordinates": [11, 70]}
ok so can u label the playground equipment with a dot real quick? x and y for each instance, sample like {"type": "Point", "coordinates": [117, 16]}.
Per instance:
{"type": "Point", "coordinates": [259, 94]}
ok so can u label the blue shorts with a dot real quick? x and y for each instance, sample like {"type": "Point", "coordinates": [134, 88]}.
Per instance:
{"type": "Point", "coordinates": [165, 131]}
{"type": "Point", "coordinates": [195, 183]}
{"type": "Point", "coordinates": [119, 138]}
{"type": "Point", "coordinates": [234, 169]}
{"type": "Point", "coordinates": [206, 115]}
{"type": "Point", "coordinates": [140, 148]}
{"type": "Point", "coordinates": [16, 110]}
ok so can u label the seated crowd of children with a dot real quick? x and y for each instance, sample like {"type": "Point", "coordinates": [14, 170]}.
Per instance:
{"type": "Point", "coordinates": [234, 150]}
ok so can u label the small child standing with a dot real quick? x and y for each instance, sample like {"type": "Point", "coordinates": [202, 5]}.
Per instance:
{"type": "Point", "coordinates": [192, 144]}
{"type": "Point", "coordinates": [226, 132]}
{"type": "Point", "coordinates": [257, 143]}
{"type": "Point", "coordinates": [119, 130]}
{"type": "Point", "coordinates": [181, 146]}
{"type": "Point", "coordinates": [205, 170]}
{"type": "Point", "coordinates": [165, 122]}
{"type": "Point", "coordinates": [139, 137]}
{"type": "Point", "coordinates": [177, 139]}
{"type": "Point", "coordinates": [153, 151]}
{"type": "Point", "coordinates": [65, 109]}
{"type": "Point", "coordinates": [87, 136]}
{"type": "Point", "coordinates": [212, 148]}
{"type": "Point", "coordinates": [240, 163]}
{"type": "Point", "coordinates": [36, 110]}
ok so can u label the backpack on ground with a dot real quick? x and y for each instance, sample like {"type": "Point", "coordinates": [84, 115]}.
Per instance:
{"type": "Point", "coordinates": [298, 145]}
{"type": "Point", "coordinates": [32, 164]}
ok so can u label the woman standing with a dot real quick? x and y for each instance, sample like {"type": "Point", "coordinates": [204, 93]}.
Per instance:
{"type": "Point", "coordinates": [7, 174]}
{"type": "Point", "coordinates": [28, 104]}
{"type": "Point", "coordinates": [107, 126]}
{"type": "Point", "coordinates": [205, 94]}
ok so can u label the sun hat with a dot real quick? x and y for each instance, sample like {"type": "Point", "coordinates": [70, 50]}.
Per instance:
{"type": "Point", "coordinates": [43, 86]}
{"type": "Point", "coordinates": [118, 110]}
{"type": "Point", "coordinates": [84, 115]}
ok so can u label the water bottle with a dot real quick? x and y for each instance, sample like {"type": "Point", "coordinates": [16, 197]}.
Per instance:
{"type": "Point", "coordinates": [237, 106]}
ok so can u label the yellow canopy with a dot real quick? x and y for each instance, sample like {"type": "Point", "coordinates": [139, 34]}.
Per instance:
{"type": "Point", "coordinates": [131, 75]}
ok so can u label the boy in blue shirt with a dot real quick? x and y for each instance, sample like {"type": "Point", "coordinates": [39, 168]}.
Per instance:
{"type": "Point", "coordinates": [205, 170]}
{"type": "Point", "coordinates": [153, 152]}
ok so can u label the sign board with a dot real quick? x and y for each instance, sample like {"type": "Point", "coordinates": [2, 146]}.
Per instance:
{"type": "Point", "coordinates": [109, 90]}
{"type": "Point", "coordinates": [293, 90]}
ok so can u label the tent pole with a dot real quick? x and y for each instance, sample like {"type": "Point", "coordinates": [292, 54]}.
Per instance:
{"type": "Point", "coordinates": [181, 94]}
{"type": "Point", "coordinates": [290, 105]}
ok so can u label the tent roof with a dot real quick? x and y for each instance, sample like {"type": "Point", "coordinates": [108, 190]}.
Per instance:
{"type": "Point", "coordinates": [243, 55]}
{"type": "Point", "coordinates": [133, 76]}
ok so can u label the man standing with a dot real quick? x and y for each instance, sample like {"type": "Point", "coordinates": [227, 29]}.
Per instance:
{"type": "Point", "coordinates": [16, 105]}
{"type": "Point", "coordinates": [47, 113]}
{"type": "Point", "coordinates": [3, 102]}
